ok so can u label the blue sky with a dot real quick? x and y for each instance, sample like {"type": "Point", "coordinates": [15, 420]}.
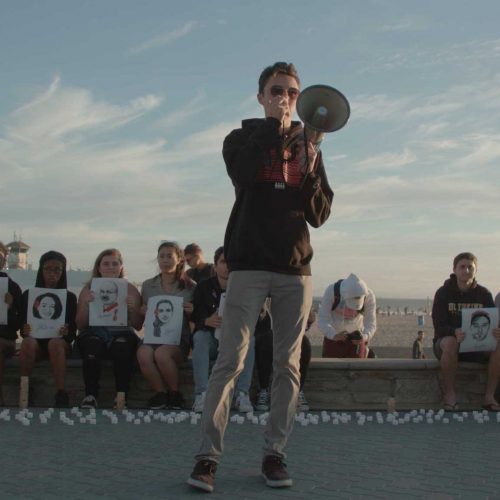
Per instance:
{"type": "Point", "coordinates": [112, 117]}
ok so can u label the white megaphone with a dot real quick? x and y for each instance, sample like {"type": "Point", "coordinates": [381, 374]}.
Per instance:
{"type": "Point", "coordinates": [323, 109]}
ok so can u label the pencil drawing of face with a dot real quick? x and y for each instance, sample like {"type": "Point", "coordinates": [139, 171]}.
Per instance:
{"type": "Point", "coordinates": [164, 311]}
{"type": "Point", "coordinates": [480, 326]}
{"type": "Point", "coordinates": [108, 293]}
{"type": "Point", "coordinates": [47, 306]}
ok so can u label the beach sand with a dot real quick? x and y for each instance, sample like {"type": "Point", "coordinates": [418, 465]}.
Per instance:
{"type": "Point", "coordinates": [393, 339]}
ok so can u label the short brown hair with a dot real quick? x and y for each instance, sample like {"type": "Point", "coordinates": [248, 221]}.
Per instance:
{"type": "Point", "coordinates": [217, 254]}
{"type": "Point", "coordinates": [192, 249]}
{"type": "Point", "coordinates": [464, 255]}
{"type": "Point", "coordinates": [278, 68]}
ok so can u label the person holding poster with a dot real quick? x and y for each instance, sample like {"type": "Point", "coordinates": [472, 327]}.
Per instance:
{"type": "Point", "coordinates": [207, 318]}
{"type": "Point", "coordinates": [117, 342]}
{"type": "Point", "coordinates": [11, 300]}
{"type": "Point", "coordinates": [159, 362]}
{"type": "Point", "coordinates": [461, 291]}
{"type": "Point", "coordinates": [51, 275]}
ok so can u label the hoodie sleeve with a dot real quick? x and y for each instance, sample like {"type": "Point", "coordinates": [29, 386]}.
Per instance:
{"type": "Point", "coordinates": [244, 153]}
{"type": "Point", "coordinates": [369, 316]}
{"type": "Point", "coordinates": [440, 317]}
{"type": "Point", "coordinates": [325, 323]}
{"type": "Point", "coordinates": [70, 317]}
{"type": "Point", "coordinates": [317, 196]}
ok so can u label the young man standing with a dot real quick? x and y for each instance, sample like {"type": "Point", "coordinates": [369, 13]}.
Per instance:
{"type": "Point", "coordinates": [459, 292]}
{"type": "Point", "coordinates": [418, 346]}
{"type": "Point", "coordinates": [278, 191]}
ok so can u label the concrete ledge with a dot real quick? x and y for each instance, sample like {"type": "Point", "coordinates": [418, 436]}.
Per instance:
{"type": "Point", "coordinates": [332, 384]}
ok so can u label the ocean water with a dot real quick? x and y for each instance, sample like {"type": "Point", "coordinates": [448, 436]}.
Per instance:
{"type": "Point", "coordinates": [395, 306]}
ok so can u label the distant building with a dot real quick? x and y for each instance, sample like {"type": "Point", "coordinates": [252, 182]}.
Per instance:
{"type": "Point", "coordinates": [18, 254]}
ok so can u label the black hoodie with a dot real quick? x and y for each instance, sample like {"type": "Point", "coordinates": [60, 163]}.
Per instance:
{"type": "Point", "coordinates": [267, 229]}
{"type": "Point", "coordinates": [9, 331]}
{"type": "Point", "coordinates": [449, 302]}
{"type": "Point", "coordinates": [62, 283]}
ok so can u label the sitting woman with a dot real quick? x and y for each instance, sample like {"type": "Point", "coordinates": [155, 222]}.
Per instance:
{"type": "Point", "coordinates": [116, 342]}
{"type": "Point", "coordinates": [8, 331]}
{"type": "Point", "coordinates": [51, 274]}
{"type": "Point", "coordinates": [159, 362]}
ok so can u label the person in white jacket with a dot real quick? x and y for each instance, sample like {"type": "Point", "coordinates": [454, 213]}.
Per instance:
{"type": "Point", "coordinates": [347, 318]}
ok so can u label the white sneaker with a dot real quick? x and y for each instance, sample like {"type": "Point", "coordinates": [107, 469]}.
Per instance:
{"type": "Point", "coordinates": [263, 399]}
{"type": "Point", "coordinates": [302, 403]}
{"type": "Point", "coordinates": [199, 402]}
{"type": "Point", "coordinates": [243, 403]}
{"type": "Point", "coordinates": [88, 402]}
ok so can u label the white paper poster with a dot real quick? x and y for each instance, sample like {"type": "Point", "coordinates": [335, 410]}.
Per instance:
{"type": "Point", "coordinates": [46, 311]}
{"type": "Point", "coordinates": [4, 288]}
{"type": "Point", "coordinates": [478, 325]}
{"type": "Point", "coordinates": [220, 312]}
{"type": "Point", "coordinates": [109, 307]}
{"type": "Point", "coordinates": [163, 324]}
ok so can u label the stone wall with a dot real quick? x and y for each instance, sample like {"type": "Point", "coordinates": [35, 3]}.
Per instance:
{"type": "Point", "coordinates": [332, 384]}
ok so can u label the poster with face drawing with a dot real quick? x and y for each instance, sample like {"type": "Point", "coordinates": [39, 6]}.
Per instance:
{"type": "Point", "coordinates": [46, 311]}
{"type": "Point", "coordinates": [220, 312]}
{"type": "Point", "coordinates": [109, 307]}
{"type": "Point", "coordinates": [4, 288]}
{"type": "Point", "coordinates": [478, 325]}
{"type": "Point", "coordinates": [163, 324]}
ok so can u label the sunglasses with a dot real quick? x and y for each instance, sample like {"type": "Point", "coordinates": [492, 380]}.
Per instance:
{"type": "Point", "coordinates": [292, 92]}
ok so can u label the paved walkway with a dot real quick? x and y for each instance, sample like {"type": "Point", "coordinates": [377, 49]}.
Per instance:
{"type": "Point", "coordinates": [347, 460]}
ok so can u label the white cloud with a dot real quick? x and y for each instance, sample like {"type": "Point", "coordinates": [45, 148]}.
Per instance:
{"type": "Point", "coordinates": [195, 106]}
{"type": "Point", "coordinates": [387, 161]}
{"type": "Point", "coordinates": [165, 38]}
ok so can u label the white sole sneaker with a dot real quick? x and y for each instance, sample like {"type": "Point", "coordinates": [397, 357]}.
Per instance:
{"type": "Point", "coordinates": [200, 485]}
{"type": "Point", "coordinates": [278, 483]}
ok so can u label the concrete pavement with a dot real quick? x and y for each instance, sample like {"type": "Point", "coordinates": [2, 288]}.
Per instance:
{"type": "Point", "coordinates": [326, 460]}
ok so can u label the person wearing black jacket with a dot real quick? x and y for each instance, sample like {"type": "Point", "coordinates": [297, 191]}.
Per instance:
{"type": "Point", "coordinates": [8, 332]}
{"type": "Point", "coordinates": [51, 274]}
{"type": "Point", "coordinates": [461, 291]}
{"type": "Point", "coordinates": [206, 318]}
{"type": "Point", "coordinates": [281, 187]}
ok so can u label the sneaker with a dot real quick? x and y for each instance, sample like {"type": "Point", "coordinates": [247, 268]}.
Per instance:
{"type": "Point", "coordinates": [274, 472]}
{"type": "Point", "coordinates": [176, 401]}
{"type": "Point", "coordinates": [61, 399]}
{"type": "Point", "coordinates": [158, 401]}
{"type": "Point", "coordinates": [203, 475]}
{"type": "Point", "coordinates": [88, 402]}
{"type": "Point", "coordinates": [302, 404]}
{"type": "Point", "coordinates": [263, 399]}
{"type": "Point", "coordinates": [243, 403]}
{"type": "Point", "coordinates": [199, 401]}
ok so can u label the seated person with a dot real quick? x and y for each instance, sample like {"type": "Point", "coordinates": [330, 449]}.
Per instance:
{"type": "Point", "coordinates": [100, 342]}
{"type": "Point", "coordinates": [264, 359]}
{"type": "Point", "coordinates": [347, 318]}
{"type": "Point", "coordinates": [8, 332]}
{"type": "Point", "coordinates": [462, 291]}
{"type": "Point", "coordinates": [205, 346]}
{"type": "Point", "coordinates": [51, 274]}
{"type": "Point", "coordinates": [160, 363]}
{"type": "Point", "coordinates": [199, 269]}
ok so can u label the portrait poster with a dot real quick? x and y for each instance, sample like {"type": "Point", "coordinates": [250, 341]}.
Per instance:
{"type": "Point", "coordinates": [163, 323]}
{"type": "Point", "coordinates": [220, 312]}
{"type": "Point", "coordinates": [4, 288]}
{"type": "Point", "coordinates": [46, 311]}
{"type": "Point", "coordinates": [109, 307]}
{"type": "Point", "coordinates": [478, 325]}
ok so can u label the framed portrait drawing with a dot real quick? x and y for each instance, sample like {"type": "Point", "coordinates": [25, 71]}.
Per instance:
{"type": "Point", "coordinates": [46, 311]}
{"type": "Point", "coordinates": [4, 288]}
{"type": "Point", "coordinates": [109, 307]}
{"type": "Point", "coordinates": [478, 325]}
{"type": "Point", "coordinates": [163, 324]}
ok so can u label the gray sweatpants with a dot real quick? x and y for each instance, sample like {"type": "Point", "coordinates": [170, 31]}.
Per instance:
{"type": "Point", "coordinates": [291, 298]}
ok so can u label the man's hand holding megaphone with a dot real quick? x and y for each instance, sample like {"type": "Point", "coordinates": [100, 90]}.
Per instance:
{"type": "Point", "coordinates": [306, 152]}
